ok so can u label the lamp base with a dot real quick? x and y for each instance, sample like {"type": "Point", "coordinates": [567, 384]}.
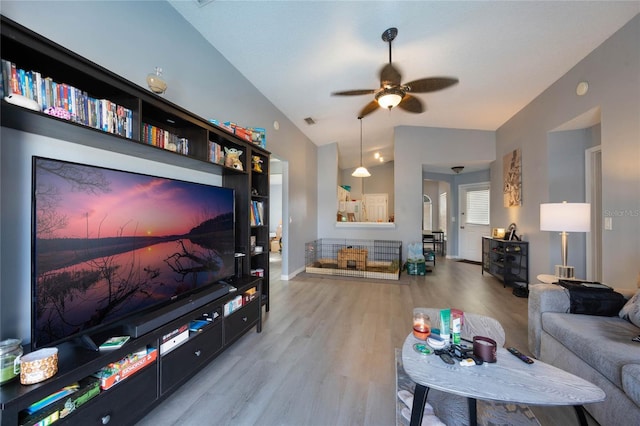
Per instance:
{"type": "Point", "coordinates": [565, 272]}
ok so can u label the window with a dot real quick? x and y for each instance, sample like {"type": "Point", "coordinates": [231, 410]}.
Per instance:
{"type": "Point", "coordinates": [478, 206]}
{"type": "Point", "coordinates": [427, 221]}
{"type": "Point", "coordinates": [442, 212]}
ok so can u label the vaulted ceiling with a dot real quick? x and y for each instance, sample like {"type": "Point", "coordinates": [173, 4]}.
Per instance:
{"type": "Point", "coordinates": [504, 53]}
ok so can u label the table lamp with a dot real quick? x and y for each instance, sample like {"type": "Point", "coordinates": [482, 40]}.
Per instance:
{"type": "Point", "coordinates": [565, 217]}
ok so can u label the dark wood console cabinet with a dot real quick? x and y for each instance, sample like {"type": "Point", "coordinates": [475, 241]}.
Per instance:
{"type": "Point", "coordinates": [506, 260]}
{"type": "Point", "coordinates": [129, 400]}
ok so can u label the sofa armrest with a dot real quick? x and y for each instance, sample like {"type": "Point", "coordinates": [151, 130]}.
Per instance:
{"type": "Point", "coordinates": [544, 298]}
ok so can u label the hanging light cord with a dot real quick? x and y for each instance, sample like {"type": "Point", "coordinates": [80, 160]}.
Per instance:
{"type": "Point", "coordinates": [360, 118]}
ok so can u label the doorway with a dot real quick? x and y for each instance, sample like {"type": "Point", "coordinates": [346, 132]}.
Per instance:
{"type": "Point", "coordinates": [427, 213]}
{"type": "Point", "coordinates": [375, 207]}
{"type": "Point", "coordinates": [593, 196]}
{"type": "Point", "coordinates": [473, 219]}
{"type": "Point", "coordinates": [278, 212]}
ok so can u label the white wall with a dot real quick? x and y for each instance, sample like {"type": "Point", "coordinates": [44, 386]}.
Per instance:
{"type": "Point", "coordinates": [565, 153]}
{"type": "Point", "coordinates": [613, 73]}
{"type": "Point", "coordinates": [130, 39]}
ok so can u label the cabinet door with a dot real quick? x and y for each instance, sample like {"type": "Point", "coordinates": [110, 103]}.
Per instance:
{"type": "Point", "coordinates": [179, 364]}
{"type": "Point", "coordinates": [240, 321]}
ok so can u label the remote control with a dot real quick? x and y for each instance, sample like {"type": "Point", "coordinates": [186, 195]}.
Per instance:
{"type": "Point", "coordinates": [520, 355]}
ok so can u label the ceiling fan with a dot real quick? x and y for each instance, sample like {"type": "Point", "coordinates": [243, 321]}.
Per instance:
{"type": "Point", "coordinates": [392, 92]}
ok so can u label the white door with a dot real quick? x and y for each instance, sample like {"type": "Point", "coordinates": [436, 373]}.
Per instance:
{"type": "Point", "coordinates": [473, 220]}
{"type": "Point", "coordinates": [375, 207]}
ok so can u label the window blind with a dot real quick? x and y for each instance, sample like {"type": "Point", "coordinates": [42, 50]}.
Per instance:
{"type": "Point", "coordinates": [478, 207]}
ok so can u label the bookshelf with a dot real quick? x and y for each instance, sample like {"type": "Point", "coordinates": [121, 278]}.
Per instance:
{"type": "Point", "coordinates": [143, 125]}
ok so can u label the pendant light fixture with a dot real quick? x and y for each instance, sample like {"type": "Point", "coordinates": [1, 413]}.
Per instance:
{"type": "Point", "coordinates": [361, 171]}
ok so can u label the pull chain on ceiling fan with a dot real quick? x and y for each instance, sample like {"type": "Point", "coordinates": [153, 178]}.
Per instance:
{"type": "Point", "coordinates": [392, 92]}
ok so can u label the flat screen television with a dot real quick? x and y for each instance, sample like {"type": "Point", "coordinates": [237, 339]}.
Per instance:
{"type": "Point", "coordinates": [108, 244]}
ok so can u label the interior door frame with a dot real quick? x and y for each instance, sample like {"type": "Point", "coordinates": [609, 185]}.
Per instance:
{"type": "Point", "coordinates": [593, 196]}
{"type": "Point", "coordinates": [462, 203]}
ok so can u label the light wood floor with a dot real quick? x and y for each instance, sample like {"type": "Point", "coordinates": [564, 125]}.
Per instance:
{"type": "Point", "coordinates": [326, 352]}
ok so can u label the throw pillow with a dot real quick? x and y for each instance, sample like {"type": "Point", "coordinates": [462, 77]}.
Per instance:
{"type": "Point", "coordinates": [631, 310]}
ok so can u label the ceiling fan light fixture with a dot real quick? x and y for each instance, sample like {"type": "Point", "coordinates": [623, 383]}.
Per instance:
{"type": "Point", "coordinates": [390, 97]}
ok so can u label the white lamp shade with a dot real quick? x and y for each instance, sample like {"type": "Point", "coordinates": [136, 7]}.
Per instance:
{"type": "Point", "coordinates": [361, 172]}
{"type": "Point", "coordinates": [389, 100]}
{"type": "Point", "coordinates": [567, 217]}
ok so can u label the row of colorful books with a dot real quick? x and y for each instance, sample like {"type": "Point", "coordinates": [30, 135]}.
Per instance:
{"type": "Point", "coordinates": [239, 301]}
{"type": "Point", "coordinates": [65, 101]}
{"type": "Point", "coordinates": [216, 153]}
{"type": "Point", "coordinates": [257, 213]}
{"type": "Point", "coordinates": [162, 138]}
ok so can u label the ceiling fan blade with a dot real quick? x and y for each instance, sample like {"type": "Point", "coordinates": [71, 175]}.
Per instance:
{"type": "Point", "coordinates": [390, 75]}
{"type": "Point", "coordinates": [432, 84]}
{"type": "Point", "coordinates": [354, 92]}
{"type": "Point", "coordinates": [411, 104]}
{"type": "Point", "coordinates": [369, 108]}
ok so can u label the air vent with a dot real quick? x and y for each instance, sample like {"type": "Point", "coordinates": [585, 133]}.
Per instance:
{"type": "Point", "coordinates": [310, 121]}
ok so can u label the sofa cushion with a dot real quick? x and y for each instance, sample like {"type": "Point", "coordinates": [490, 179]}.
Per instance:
{"type": "Point", "coordinates": [602, 342]}
{"type": "Point", "coordinates": [631, 382]}
{"type": "Point", "coordinates": [631, 310]}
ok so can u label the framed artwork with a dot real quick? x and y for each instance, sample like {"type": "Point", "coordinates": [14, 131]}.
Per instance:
{"type": "Point", "coordinates": [512, 178]}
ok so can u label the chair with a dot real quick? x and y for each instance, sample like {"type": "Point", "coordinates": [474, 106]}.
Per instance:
{"type": "Point", "coordinates": [439, 242]}
{"type": "Point", "coordinates": [429, 247]}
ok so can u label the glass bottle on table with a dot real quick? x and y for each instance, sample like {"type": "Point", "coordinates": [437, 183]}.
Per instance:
{"type": "Point", "coordinates": [421, 323]}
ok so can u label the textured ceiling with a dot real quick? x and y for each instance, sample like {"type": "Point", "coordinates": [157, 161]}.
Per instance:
{"type": "Point", "coordinates": [505, 53]}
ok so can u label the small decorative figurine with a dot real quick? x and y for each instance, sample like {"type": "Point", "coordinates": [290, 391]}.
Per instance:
{"type": "Point", "coordinates": [256, 163]}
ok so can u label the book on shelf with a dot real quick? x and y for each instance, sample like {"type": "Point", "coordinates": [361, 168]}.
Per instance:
{"type": "Point", "coordinates": [114, 343]}
{"type": "Point", "coordinates": [197, 325]}
{"type": "Point", "coordinates": [216, 153]}
{"type": "Point", "coordinates": [257, 213]}
{"type": "Point", "coordinates": [233, 305]}
{"type": "Point", "coordinates": [116, 372]}
{"type": "Point", "coordinates": [61, 403]}
{"type": "Point", "coordinates": [65, 101]}
{"type": "Point", "coordinates": [162, 138]}
{"type": "Point", "coordinates": [173, 339]}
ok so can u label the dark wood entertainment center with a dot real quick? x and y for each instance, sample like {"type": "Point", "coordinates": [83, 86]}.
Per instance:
{"type": "Point", "coordinates": [132, 398]}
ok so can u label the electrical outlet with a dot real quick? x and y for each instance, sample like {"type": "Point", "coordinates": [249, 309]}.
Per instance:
{"type": "Point", "coordinates": [608, 223]}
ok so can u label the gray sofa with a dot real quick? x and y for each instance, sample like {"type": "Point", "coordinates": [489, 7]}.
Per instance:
{"type": "Point", "coordinates": [598, 349]}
